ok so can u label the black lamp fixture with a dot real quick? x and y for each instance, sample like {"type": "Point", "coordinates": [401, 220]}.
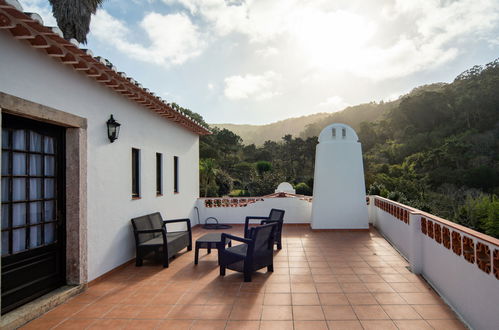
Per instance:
{"type": "Point", "coordinates": [113, 129]}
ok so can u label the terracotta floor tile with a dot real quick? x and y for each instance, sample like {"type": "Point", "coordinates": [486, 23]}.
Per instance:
{"type": "Point", "coordinates": [446, 324]}
{"type": "Point", "coordinates": [277, 299]}
{"type": "Point", "coordinates": [320, 280]}
{"type": "Point", "coordinates": [344, 325]}
{"type": "Point", "coordinates": [421, 298]}
{"type": "Point", "coordinates": [305, 299]}
{"type": "Point", "coordinates": [64, 310]}
{"type": "Point", "coordinates": [363, 270]}
{"type": "Point", "coordinates": [307, 313]}
{"type": "Point", "coordinates": [348, 279]}
{"type": "Point", "coordinates": [276, 325]}
{"type": "Point", "coordinates": [208, 325]}
{"type": "Point", "coordinates": [412, 325]}
{"type": "Point", "coordinates": [408, 287]}
{"type": "Point", "coordinates": [301, 279]}
{"type": "Point", "coordinates": [370, 312]}
{"type": "Point", "coordinates": [389, 299]}
{"type": "Point", "coordinates": [109, 324]}
{"type": "Point", "coordinates": [243, 312]}
{"type": "Point", "coordinates": [299, 271]}
{"type": "Point", "coordinates": [310, 325]}
{"type": "Point", "coordinates": [303, 288]}
{"type": "Point", "coordinates": [385, 270]}
{"type": "Point", "coordinates": [154, 312]}
{"type": "Point", "coordinates": [394, 278]}
{"type": "Point", "coordinates": [278, 288]}
{"type": "Point", "coordinates": [142, 324]}
{"type": "Point", "coordinates": [277, 313]}
{"type": "Point", "coordinates": [123, 312]}
{"type": "Point", "coordinates": [43, 323]}
{"type": "Point", "coordinates": [249, 299]}
{"type": "Point", "coordinates": [215, 312]}
{"type": "Point", "coordinates": [243, 325]}
{"type": "Point", "coordinates": [342, 270]}
{"type": "Point", "coordinates": [401, 312]}
{"type": "Point", "coordinates": [253, 287]}
{"type": "Point", "coordinates": [434, 312]}
{"type": "Point", "coordinates": [353, 287]}
{"type": "Point", "coordinates": [193, 298]}
{"type": "Point", "coordinates": [75, 324]}
{"type": "Point", "coordinates": [361, 299]}
{"type": "Point", "coordinates": [185, 312]}
{"type": "Point", "coordinates": [379, 287]}
{"type": "Point", "coordinates": [371, 278]}
{"type": "Point", "coordinates": [324, 278]}
{"type": "Point", "coordinates": [175, 324]}
{"type": "Point", "coordinates": [378, 325]}
{"type": "Point", "coordinates": [333, 299]}
{"type": "Point", "coordinates": [328, 288]}
{"type": "Point", "coordinates": [339, 312]}
{"type": "Point", "coordinates": [93, 311]}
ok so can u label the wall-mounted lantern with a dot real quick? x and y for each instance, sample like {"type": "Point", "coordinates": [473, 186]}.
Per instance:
{"type": "Point", "coordinates": [113, 129]}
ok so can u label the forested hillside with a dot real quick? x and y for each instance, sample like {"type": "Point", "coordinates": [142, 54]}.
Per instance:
{"type": "Point", "coordinates": [436, 148]}
{"type": "Point", "coordinates": [258, 134]}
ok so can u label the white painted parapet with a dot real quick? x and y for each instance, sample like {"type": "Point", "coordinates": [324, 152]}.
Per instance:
{"type": "Point", "coordinates": [235, 210]}
{"type": "Point", "coordinates": [339, 189]}
{"type": "Point", "coordinates": [462, 265]}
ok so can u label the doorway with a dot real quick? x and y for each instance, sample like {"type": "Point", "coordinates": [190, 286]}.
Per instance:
{"type": "Point", "coordinates": [33, 210]}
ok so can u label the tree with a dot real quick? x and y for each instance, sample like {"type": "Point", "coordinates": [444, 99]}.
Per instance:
{"type": "Point", "coordinates": [207, 176]}
{"type": "Point", "coordinates": [73, 17]}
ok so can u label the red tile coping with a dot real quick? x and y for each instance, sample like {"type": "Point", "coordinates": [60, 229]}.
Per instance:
{"type": "Point", "coordinates": [451, 224]}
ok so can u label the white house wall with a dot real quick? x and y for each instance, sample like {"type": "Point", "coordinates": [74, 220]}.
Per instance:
{"type": "Point", "coordinates": [30, 74]}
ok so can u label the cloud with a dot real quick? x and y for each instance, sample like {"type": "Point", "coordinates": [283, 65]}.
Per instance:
{"type": "Point", "coordinates": [334, 103]}
{"type": "Point", "coordinates": [172, 39]}
{"type": "Point", "coordinates": [394, 39]}
{"type": "Point", "coordinates": [259, 87]}
{"type": "Point", "coordinates": [267, 52]}
{"type": "Point", "coordinates": [42, 8]}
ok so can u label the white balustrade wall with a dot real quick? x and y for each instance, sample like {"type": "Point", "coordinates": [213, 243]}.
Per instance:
{"type": "Point", "coordinates": [461, 264]}
{"type": "Point", "coordinates": [235, 210]}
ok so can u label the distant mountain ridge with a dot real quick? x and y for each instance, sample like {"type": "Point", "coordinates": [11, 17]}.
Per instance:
{"type": "Point", "coordinates": [258, 134]}
{"type": "Point", "coordinates": [311, 125]}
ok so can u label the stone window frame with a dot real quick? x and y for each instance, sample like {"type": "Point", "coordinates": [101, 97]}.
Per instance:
{"type": "Point", "coordinates": [75, 175]}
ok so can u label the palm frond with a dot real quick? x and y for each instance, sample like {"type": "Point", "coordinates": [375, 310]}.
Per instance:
{"type": "Point", "coordinates": [73, 17]}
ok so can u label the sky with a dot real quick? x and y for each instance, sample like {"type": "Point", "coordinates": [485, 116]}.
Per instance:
{"type": "Point", "coordinates": [260, 61]}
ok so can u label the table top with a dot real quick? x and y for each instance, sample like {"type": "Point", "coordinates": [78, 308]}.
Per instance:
{"type": "Point", "coordinates": [211, 238]}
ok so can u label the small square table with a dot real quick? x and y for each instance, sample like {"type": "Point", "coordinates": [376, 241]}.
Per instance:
{"type": "Point", "coordinates": [209, 241]}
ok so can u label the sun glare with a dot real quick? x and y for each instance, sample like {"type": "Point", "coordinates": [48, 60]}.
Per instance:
{"type": "Point", "coordinates": [332, 40]}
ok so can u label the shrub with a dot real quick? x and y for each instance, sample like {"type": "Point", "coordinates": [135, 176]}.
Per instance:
{"type": "Point", "coordinates": [303, 189]}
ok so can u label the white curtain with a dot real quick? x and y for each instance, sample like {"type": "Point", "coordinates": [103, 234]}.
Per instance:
{"type": "Point", "coordinates": [35, 142]}
{"type": "Point", "coordinates": [35, 164]}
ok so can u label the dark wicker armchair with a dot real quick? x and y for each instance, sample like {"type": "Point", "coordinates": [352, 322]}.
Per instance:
{"type": "Point", "coordinates": [256, 252]}
{"type": "Point", "coordinates": [151, 235]}
{"type": "Point", "coordinates": [275, 216]}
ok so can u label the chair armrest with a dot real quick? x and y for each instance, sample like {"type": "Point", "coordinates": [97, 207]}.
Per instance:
{"type": "Point", "coordinates": [247, 220]}
{"type": "Point", "coordinates": [235, 238]}
{"type": "Point", "coordinates": [256, 218]}
{"type": "Point", "coordinates": [263, 222]}
{"type": "Point", "coordinates": [148, 231]}
{"type": "Point", "coordinates": [177, 220]}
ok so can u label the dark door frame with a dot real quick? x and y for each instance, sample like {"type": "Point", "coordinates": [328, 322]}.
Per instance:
{"type": "Point", "coordinates": [75, 177]}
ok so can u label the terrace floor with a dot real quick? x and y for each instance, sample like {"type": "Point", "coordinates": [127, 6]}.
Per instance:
{"type": "Point", "coordinates": [321, 280]}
